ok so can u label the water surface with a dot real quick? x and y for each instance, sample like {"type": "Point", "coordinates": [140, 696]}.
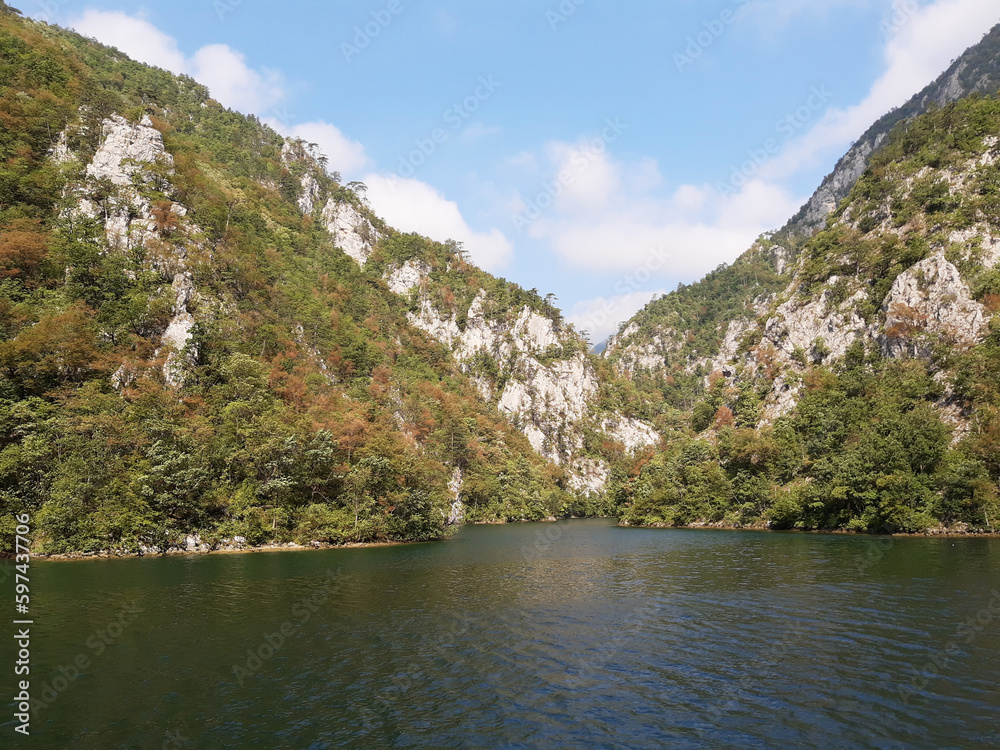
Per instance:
{"type": "Point", "coordinates": [577, 634]}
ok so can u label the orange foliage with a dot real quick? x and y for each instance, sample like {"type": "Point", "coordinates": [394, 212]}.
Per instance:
{"type": "Point", "coordinates": [164, 219]}
{"type": "Point", "coordinates": [23, 246]}
{"type": "Point", "coordinates": [724, 417]}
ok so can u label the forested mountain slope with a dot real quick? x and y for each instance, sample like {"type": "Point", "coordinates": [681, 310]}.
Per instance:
{"type": "Point", "coordinates": [202, 332]}
{"type": "Point", "coordinates": [977, 71]}
{"type": "Point", "coordinates": [863, 393]}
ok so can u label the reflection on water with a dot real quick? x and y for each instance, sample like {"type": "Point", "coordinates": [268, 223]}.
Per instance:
{"type": "Point", "coordinates": [575, 635]}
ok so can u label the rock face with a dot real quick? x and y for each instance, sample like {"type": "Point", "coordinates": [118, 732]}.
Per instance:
{"type": "Point", "coordinates": [131, 160]}
{"type": "Point", "coordinates": [179, 334]}
{"type": "Point", "coordinates": [296, 153]}
{"type": "Point", "coordinates": [126, 148]}
{"type": "Point", "coordinates": [976, 71]}
{"type": "Point", "coordinates": [456, 512]}
{"type": "Point", "coordinates": [543, 379]}
{"type": "Point", "coordinates": [820, 328]}
{"type": "Point", "coordinates": [408, 276]}
{"type": "Point", "coordinates": [637, 354]}
{"type": "Point", "coordinates": [931, 301]}
{"type": "Point", "coordinates": [119, 169]}
{"type": "Point", "coordinates": [352, 232]}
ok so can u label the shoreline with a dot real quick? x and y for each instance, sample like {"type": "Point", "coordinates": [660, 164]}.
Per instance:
{"type": "Point", "coordinates": [295, 547]}
{"type": "Point", "coordinates": [929, 534]}
{"type": "Point", "coordinates": [177, 552]}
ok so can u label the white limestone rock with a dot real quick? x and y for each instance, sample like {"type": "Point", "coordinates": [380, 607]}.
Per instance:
{"type": "Point", "coordinates": [176, 340]}
{"type": "Point", "coordinates": [456, 511]}
{"type": "Point", "coordinates": [407, 277]}
{"type": "Point", "coordinates": [632, 433]}
{"type": "Point", "coordinates": [931, 298]}
{"type": "Point", "coordinates": [295, 151]}
{"type": "Point", "coordinates": [351, 231]}
{"type": "Point", "coordinates": [125, 149]}
{"type": "Point", "coordinates": [589, 476]}
{"type": "Point", "coordinates": [124, 157]}
{"type": "Point", "coordinates": [800, 325]}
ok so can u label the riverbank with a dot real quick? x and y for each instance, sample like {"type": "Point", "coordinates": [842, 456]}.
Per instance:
{"type": "Point", "coordinates": [940, 532]}
{"type": "Point", "coordinates": [201, 552]}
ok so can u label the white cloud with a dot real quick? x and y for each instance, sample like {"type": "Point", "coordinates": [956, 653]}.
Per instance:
{"type": "Point", "coordinates": [600, 317]}
{"type": "Point", "coordinates": [922, 44]}
{"type": "Point", "coordinates": [233, 82]}
{"type": "Point", "coordinates": [414, 206]}
{"type": "Point", "coordinates": [608, 219]}
{"type": "Point", "coordinates": [346, 156]}
{"type": "Point", "coordinates": [224, 70]}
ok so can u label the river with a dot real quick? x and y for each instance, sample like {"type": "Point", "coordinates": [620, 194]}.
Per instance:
{"type": "Point", "coordinates": [571, 635]}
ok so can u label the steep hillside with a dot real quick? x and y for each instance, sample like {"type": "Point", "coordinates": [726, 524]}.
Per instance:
{"type": "Point", "coordinates": [863, 394]}
{"type": "Point", "coordinates": [977, 71]}
{"type": "Point", "coordinates": [206, 339]}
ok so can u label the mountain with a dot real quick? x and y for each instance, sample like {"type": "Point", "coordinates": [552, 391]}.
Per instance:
{"type": "Point", "coordinates": [977, 71]}
{"type": "Point", "coordinates": [847, 380]}
{"type": "Point", "coordinates": [207, 340]}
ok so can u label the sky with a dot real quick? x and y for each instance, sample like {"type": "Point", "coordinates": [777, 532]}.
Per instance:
{"type": "Point", "coordinates": [599, 150]}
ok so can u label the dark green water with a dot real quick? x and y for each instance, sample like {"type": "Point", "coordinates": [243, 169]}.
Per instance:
{"type": "Point", "coordinates": [554, 636]}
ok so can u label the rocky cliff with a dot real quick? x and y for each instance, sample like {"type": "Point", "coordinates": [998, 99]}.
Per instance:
{"type": "Point", "coordinates": [976, 71]}
{"type": "Point", "coordinates": [906, 268]}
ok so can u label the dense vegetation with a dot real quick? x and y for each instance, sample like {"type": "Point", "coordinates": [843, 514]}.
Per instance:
{"type": "Point", "coordinates": [864, 450]}
{"type": "Point", "coordinates": [310, 410]}
{"type": "Point", "coordinates": [866, 447]}
{"type": "Point", "coordinates": [695, 317]}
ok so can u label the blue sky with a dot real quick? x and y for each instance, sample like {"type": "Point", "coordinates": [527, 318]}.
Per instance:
{"type": "Point", "coordinates": [603, 151]}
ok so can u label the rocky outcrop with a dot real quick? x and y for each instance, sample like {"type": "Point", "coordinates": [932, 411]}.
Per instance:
{"type": "Point", "coordinates": [119, 170]}
{"type": "Point", "coordinates": [819, 328]}
{"type": "Point", "coordinates": [295, 153]}
{"type": "Point", "coordinates": [126, 150]}
{"type": "Point", "coordinates": [176, 340]}
{"type": "Point", "coordinates": [631, 433]}
{"type": "Point", "coordinates": [352, 232]}
{"type": "Point", "coordinates": [976, 71]}
{"type": "Point", "coordinates": [407, 277]}
{"type": "Point", "coordinates": [456, 511]}
{"type": "Point", "coordinates": [635, 353]}
{"type": "Point", "coordinates": [838, 183]}
{"type": "Point", "coordinates": [930, 302]}
{"type": "Point", "coordinates": [543, 384]}
{"type": "Point", "coordinates": [130, 161]}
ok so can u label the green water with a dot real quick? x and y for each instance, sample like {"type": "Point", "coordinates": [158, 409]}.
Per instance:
{"type": "Point", "coordinates": [578, 634]}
